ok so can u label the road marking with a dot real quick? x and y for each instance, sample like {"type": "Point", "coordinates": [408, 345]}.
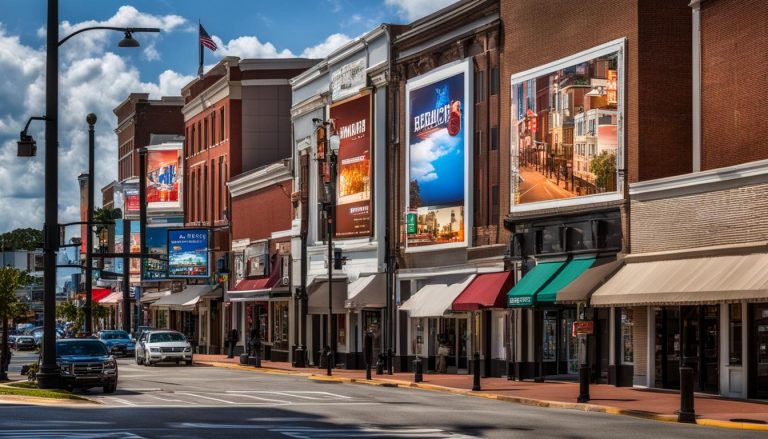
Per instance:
{"type": "Point", "coordinates": [120, 400]}
{"type": "Point", "coordinates": [266, 400]}
{"type": "Point", "coordinates": [170, 400]}
{"type": "Point", "coordinates": [81, 434]}
{"type": "Point", "coordinates": [206, 397]}
{"type": "Point", "coordinates": [156, 389]}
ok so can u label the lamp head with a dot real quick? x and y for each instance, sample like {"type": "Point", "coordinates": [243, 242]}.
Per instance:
{"type": "Point", "coordinates": [27, 145]}
{"type": "Point", "coordinates": [128, 41]}
{"type": "Point", "coordinates": [334, 141]}
{"type": "Point", "coordinates": [91, 119]}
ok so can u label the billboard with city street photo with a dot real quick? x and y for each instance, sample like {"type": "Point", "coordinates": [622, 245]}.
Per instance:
{"type": "Point", "coordinates": [164, 179]}
{"type": "Point", "coordinates": [438, 160]}
{"type": "Point", "coordinates": [566, 134]}
{"type": "Point", "coordinates": [352, 122]}
{"type": "Point", "coordinates": [134, 246]}
{"type": "Point", "coordinates": [188, 253]}
{"type": "Point", "coordinates": [157, 244]}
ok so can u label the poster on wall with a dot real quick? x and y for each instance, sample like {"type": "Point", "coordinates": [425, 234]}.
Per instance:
{"type": "Point", "coordinates": [164, 179]}
{"type": "Point", "coordinates": [134, 246]}
{"type": "Point", "coordinates": [565, 130]}
{"type": "Point", "coordinates": [188, 253]}
{"type": "Point", "coordinates": [438, 159]}
{"type": "Point", "coordinates": [130, 196]}
{"type": "Point", "coordinates": [157, 244]}
{"type": "Point", "coordinates": [352, 120]}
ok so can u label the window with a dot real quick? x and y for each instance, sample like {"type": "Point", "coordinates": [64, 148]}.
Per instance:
{"type": "Point", "coordinates": [280, 325]}
{"type": "Point", "coordinates": [192, 141]}
{"type": "Point", "coordinates": [341, 332]}
{"type": "Point", "coordinates": [480, 86]}
{"type": "Point", "coordinates": [213, 127]}
{"type": "Point", "coordinates": [204, 215]}
{"type": "Point", "coordinates": [192, 204]}
{"type": "Point", "coordinates": [495, 80]}
{"type": "Point", "coordinates": [186, 142]}
{"type": "Point", "coordinates": [205, 133]}
{"type": "Point", "coordinates": [734, 334]}
{"type": "Point", "coordinates": [199, 138]}
{"type": "Point", "coordinates": [221, 121]}
{"type": "Point", "coordinates": [494, 138]}
{"type": "Point", "coordinates": [220, 191]}
{"type": "Point", "coordinates": [214, 189]}
{"type": "Point", "coordinates": [627, 345]}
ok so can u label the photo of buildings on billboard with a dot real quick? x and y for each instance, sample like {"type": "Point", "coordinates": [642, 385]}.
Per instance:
{"type": "Point", "coordinates": [157, 244]}
{"type": "Point", "coordinates": [438, 159]}
{"type": "Point", "coordinates": [188, 253]}
{"type": "Point", "coordinates": [164, 178]}
{"type": "Point", "coordinates": [565, 134]}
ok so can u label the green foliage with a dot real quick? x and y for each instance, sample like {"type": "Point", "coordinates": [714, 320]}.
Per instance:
{"type": "Point", "coordinates": [32, 371]}
{"type": "Point", "coordinates": [22, 239]}
{"type": "Point", "coordinates": [10, 281]}
{"type": "Point", "coordinates": [67, 311]}
{"type": "Point", "coordinates": [604, 168]}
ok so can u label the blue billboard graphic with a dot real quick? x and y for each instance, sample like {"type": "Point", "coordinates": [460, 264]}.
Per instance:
{"type": "Point", "coordinates": [188, 253]}
{"type": "Point", "coordinates": [157, 244]}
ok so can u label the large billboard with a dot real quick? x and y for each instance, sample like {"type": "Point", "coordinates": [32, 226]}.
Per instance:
{"type": "Point", "coordinates": [163, 179]}
{"type": "Point", "coordinates": [439, 153]}
{"type": "Point", "coordinates": [566, 133]}
{"type": "Point", "coordinates": [134, 266]}
{"type": "Point", "coordinates": [352, 120]}
{"type": "Point", "coordinates": [157, 244]}
{"type": "Point", "coordinates": [188, 253]}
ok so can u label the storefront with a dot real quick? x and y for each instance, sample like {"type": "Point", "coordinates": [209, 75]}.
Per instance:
{"type": "Point", "coordinates": [322, 303]}
{"type": "Point", "coordinates": [365, 305]}
{"type": "Point", "coordinates": [196, 311]}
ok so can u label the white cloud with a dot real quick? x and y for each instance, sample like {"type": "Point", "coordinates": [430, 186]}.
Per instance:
{"type": "Point", "coordinates": [415, 9]}
{"type": "Point", "coordinates": [249, 47]}
{"type": "Point", "coordinates": [424, 153]}
{"type": "Point", "coordinates": [323, 49]}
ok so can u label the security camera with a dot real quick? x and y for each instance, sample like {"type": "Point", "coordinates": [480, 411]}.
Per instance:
{"type": "Point", "coordinates": [27, 146]}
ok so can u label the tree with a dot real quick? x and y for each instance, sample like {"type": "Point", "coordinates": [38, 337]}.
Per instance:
{"type": "Point", "coordinates": [21, 239]}
{"type": "Point", "coordinates": [604, 168]}
{"type": "Point", "coordinates": [102, 216]}
{"type": "Point", "coordinates": [10, 281]}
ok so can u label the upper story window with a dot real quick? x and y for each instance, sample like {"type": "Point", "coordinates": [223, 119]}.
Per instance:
{"type": "Point", "coordinates": [213, 128]}
{"type": "Point", "coordinates": [221, 121]}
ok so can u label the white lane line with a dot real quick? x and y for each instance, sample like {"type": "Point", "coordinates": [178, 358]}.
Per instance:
{"type": "Point", "coordinates": [156, 389]}
{"type": "Point", "coordinates": [206, 397]}
{"type": "Point", "coordinates": [274, 401]}
{"type": "Point", "coordinates": [120, 400]}
{"type": "Point", "coordinates": [170, 400]}
{"type": "Point", "coordinates": [243, 392]}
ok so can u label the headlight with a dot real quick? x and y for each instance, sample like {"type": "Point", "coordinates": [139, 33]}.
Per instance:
{"type": "Point", "coordinates": [66, 369]}
{"type": "Point", "coordinates": [110, 364]}
{"type": "Point", "coordinates": [154, 349]}
{"type": "Point", "coordinates": [188, 348]}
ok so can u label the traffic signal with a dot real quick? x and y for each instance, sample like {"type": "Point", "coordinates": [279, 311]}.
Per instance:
{"type": "Point", "coordinates": [338, 260]}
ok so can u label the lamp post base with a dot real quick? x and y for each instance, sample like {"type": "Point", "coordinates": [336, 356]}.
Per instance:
{"type": "Point", "coordinates": [49, 378]}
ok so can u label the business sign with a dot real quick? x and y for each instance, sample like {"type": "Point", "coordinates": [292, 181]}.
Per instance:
{"type": "Point", "coordinates": [583, 327]}
{"type": "Point", "coordinates": [163, 179]}
{"type": "Point", "coordinates": [134, 245]}
{"type": "Point", "coordinates": [519, 301]}
{"type": "Point", "coordinates": [352, 120]}
{"type": "Point", "coordinates": [348, 79]}
{"type": "Point", "coordinates": [566, 135]}
{"type": "Point", "coordinates": [188, 253]}
{"type": "Point", "coordinates": [438, 136]}
{"type": "Point", "coordinates": [130, 198]}
{"type": "Point", "coordinates": [157, 244]}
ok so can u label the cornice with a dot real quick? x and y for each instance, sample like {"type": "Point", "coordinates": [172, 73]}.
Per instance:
{"type": "Point", "coordinates": [210, 96]}
{"type": "Point", "coordinates": [260, 179]}
{"type": "Point", "coordinates": [309, 105]}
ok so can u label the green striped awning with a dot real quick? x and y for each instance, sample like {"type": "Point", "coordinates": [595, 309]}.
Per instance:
{"type": "Point", "coordinates": [569, 273]}
{"type": "Point", "coordinates": [523, 294]}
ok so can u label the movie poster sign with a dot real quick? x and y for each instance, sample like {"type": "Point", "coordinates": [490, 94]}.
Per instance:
{"type": "Point", "coordinates": [438, 114]}
{"type": "Point", "coordinates": [163, 180]}
{"type": "Point", "coordinates": [566, 133]}
{"type": "Point", "coordinates": [188, 253]}
{"type": "Point", "coordinates": [352, 120]}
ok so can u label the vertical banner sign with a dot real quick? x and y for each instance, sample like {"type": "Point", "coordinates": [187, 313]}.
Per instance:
{"type": "Point", "coordinates": [164, 179]}
{"type": "Point", "coordinates": [188, 253]}
{"type": "Point", "coordinates": [135, 247]}
{"type": "Point", "coordinates": [131, 199]}
{"type": "Point", "coordinates": [352, 120]}
{"type": "Point", "coordinates": [438, 160]}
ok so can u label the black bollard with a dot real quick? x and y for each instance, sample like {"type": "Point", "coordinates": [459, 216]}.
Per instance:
{"type": "Point", "coordinates": [390, 363]}
{"type": "Point", "coordinates": [476, 372]}
{"type": "Point", "coordinates": [257, 354]}
{"type": "Point", "coordinates": [418, 371]}
{"type": "Point", "coordinates": [583, 384]}
{"type": "Point", "coordinates": [368, 351]}
{"type": "Point", "coordinates": [329, 360]}
{"type": "Point", "coordinates": [687, 413]}
{"type": "Point", "coordinates": [380, 364]}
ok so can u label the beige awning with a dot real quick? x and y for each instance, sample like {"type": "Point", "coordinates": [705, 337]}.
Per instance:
{"type": "Point", "coordinates": [435, 300]}
{"type": "Point", "coordinates": [581, 288]}
{"type": "Point", "coordinates": [317, 303]}
{"type": "Point", "coordinates": [188, 297]}
{"type": "Point", "coordinates": [702, 280]}
{"type": "Point", "coordinates": [367, 292]}
{"type": "Point", "coordinates": [153, 296]}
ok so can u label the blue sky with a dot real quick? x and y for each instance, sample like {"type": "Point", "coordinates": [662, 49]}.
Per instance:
{"type": "Point", "coordinates": [95, 75]}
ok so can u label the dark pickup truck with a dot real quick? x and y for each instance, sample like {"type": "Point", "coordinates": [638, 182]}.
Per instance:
{"type": "Point", "coordinates": [86, 363]}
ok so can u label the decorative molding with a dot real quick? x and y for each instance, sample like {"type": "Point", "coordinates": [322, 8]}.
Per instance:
{"type": "Point", "coordinates": [488, 266]}
{"type": "Point", "coordinates": [307, 106]}
{"type": "Point", "coordinates": [211, 96]}
{"type": "Point", "coordinates": [445, 37]}
{"type": "Point", "coordinates": [276, 81]}
{"type": "Point", "coordinates": [269, 176]}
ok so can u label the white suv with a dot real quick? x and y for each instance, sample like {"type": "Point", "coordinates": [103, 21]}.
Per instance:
{"type": "Point", "coordinates": [156, 346]}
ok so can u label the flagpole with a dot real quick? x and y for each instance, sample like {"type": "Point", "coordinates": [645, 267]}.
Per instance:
{"type": "Point", "coordinates": [200, 44]}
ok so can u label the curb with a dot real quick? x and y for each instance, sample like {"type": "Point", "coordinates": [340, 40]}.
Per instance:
{"type": "Point", "coordinates": [585, 407]}
{"type": "Point", "coordinates": [37, 400]}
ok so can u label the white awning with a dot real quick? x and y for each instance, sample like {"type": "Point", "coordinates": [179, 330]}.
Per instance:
{"type": "Point", "coordinates": [188, 297]}
{"type": "Point", "coordinates": [153, 296]}
{"type": "Point", "coordinates": [318, 297]}
{"type": "Point", "coordinates": [367, 292]}
{"type": "Point", "coordinates": [435, 300]}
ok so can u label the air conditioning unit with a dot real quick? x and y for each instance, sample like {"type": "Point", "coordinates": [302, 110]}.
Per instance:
{"type": "Point", "coordinates": [285, 280]}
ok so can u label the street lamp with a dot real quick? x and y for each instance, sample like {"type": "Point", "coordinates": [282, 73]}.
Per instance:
{"type": "Point", "coordinates": [91, 119]}
{"type": "Point", "coordinates": [49, 376]}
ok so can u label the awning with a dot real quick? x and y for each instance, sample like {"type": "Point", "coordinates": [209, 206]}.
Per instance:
{"type": "Point", "coordinates": [691, 281]}
{"type": "Point", "coordinates": [367, 292]}
{"type": "Point", "coordinates": [97, 293]}
{"type": "Point", "coordinates": [435, 300]}
{"type": "Point", "coordinates": [253, 290]}
{"type": "Point", "coordinates": [573, 269]}
{"type": "Point", "coordinates": [523, 294]}
{"type": "Point", "coordinates": [318, 296]}
{"type": "Point", "coordinates": [112, 299]}
{"type": "Point", "coordinates": [582, 288]}
{"type": "Point", "coordinates": [486, 291]}
{"type": "Point", "coordinates": [152, 296]}
{"type": "Point", "coordinates": [188, 297]}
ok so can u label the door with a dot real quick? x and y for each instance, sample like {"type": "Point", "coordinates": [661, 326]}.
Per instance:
{"type": "Point", "coordinates": [462, 339]}
{"type": "Point", "coordinates": [760, 350]}
{"type": "Point", "coordinates": [372, 323]}
{"type": "Point", "coordinates": [667, 343]}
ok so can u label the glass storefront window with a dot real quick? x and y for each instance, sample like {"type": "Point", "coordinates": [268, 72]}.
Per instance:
{"type": "Point", "coordinates": [734, 334]}
{"type": "Point", "coordinates": [341, 333]}
{"type": "Point", "coordinates": [280, 325]}
{"type": "Point", "coordinates": [550, 336]}
{"type": "Point", "coordinates": [627, 343]}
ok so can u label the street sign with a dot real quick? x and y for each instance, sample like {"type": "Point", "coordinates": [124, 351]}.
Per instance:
{"type": "Point", "coordinates": [583, 327]}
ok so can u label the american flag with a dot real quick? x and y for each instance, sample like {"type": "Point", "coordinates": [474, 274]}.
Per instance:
{"type": "Point", "coordinates": [206, 40]}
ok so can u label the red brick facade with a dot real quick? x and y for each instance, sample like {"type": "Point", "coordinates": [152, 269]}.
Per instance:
{"type": "Point", "coordinates": [257, 214]}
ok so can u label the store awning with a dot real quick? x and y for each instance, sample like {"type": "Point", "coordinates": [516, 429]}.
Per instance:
{"type": "Point", "coordinates": [570, 271]}
{"type": "Point", "coordinates": [367, 292]}
{"type": "Point", "coordinates": [112, 299]}
{"type": "Point", "coordinates": [254, 290]}
{"type": "Point", "coordinates": [97, 293]}
{"type": "Point", "coordinates": [318, 296]}
{"type": "Point", "coordinates": [188, 297]}
{"type": "Point", "coordinates": [691, 281]}
{"type": "Point", "coordinates": [153, 296]}
{"type": "Point", "coordinates": [581, 289]}
{"type": "Point", "coordinates": [486, 291]}
{"type": "Point", "coordinates": [435, 300]}
{"type": "Point", "coordinates": [523, 294]}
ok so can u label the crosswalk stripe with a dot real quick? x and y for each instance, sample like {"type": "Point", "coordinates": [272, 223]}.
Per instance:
{"type": "Point", "coordinates": [206, 397]}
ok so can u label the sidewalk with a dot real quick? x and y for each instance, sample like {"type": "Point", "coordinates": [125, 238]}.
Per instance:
{"type": "Point", "coordinates": [652, 404]}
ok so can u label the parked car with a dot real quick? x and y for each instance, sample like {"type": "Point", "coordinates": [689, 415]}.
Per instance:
{"type": "Point", "coordinates": [37, 333]}
{"type": "Point", "coordinates": [25, 343]}
{"type": "Point", "coordinates": [141, 330]}
{"type": "Point", "coordinates": [86, 363]}
{"type": "Point", "coordinates": [118, 342]}
{"type": "Point", "coordinates": [12, 340]}
{"type": "Point", "coordinates": [158, 346]}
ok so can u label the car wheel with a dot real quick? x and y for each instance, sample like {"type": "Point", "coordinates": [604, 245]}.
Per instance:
{"type": "Point", "coordinates": [110, 388]}
{"type": "Point", "coordinates": [188, 362]}
{"type": "Point", "coordinates": [147, 361]}
{"type": "Point", "coordinates": [139, 360]}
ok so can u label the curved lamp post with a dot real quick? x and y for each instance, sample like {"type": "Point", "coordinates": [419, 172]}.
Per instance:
{"type": "Point", "coordinates": [48, 376]}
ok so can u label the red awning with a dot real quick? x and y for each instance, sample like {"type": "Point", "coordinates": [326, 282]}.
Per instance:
{"type": "Point", "coordinates": [98, 293]}
{"type": "Point", "coordinates": [486, 291]}
{"type": "Point", "coordinates": [263, 283]}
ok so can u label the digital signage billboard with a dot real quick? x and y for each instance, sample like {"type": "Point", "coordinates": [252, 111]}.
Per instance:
{"type": "Point", "coordinates": [439, 154]}
{"type": "Point", "coordinates": [157, 244]}
{"type": "Point", "coordinates": [164, 180]}
{"type": "Point", "coordinates": [566, 132]}
{"type": "Point", "coordinates": [352, 120]}
{"type": "Point", "coordinates": [134, 266]}
{"type": "Point", "coordinates": [188, 253]}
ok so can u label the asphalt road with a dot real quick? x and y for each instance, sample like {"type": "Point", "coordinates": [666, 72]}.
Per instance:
{"type": "Point", "coordinates": [536, 187]}
{"type": "Point", "coordinates": [206, 402]}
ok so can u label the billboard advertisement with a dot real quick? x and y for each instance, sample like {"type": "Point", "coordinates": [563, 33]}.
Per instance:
{"type": "Point", "coordinates": [439, 153]}
{"type": "Point", "coordinates": [565, 133]}
{"type": "Point", "coordinates": [134, 246]}
{"type": "Point", "coordinates": [157, 244]}
{"type": "Point", "coordinates": [164, 169]}
{"type": "Point", "coordinates": [352, 121]}
{"type": "Point", "coordinates": [188, 253]}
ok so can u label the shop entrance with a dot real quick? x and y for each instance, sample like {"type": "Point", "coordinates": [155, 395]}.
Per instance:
{"type": "Point", "coordinates": [560, 347]}
{"type": "Point", "coordinates": [372, 323]}
{"type": "Point", "coordinates": [452, 332]}
{"type": "Point", "coordinates": [760, 350]}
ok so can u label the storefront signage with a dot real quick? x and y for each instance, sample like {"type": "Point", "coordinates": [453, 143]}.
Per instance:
{"type": "Point", "coordinates": [348, 79]}
{"type": "Point", "coordinates": [439, 157]}
{"type": "Point", "coordinates": [571, 147]}
{"type": "Point", "coordinates": [352, 123]}
{"type": "Point", "coordinates": [519, 301]}
{"type": "Point", "coordinates": [410, 221]}
{"type": "Point", "coordinates": [164, 180]}
{"type": "Point", "coordinates": [188, 253]}
{"type": "Point", "coordinates": [583, 327]}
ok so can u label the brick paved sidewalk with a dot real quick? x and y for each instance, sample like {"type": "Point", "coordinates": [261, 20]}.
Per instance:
{"type": "Point", "coordinates": [655, 402]}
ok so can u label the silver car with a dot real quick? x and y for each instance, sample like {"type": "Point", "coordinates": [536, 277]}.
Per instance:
{"type": "Point", "coordinates": [158, 346]}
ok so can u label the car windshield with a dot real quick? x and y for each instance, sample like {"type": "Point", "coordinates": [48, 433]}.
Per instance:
{"type": "Point", "coordinates": [162, 337]}
{"type": "Point", "coordinates": [114, 335]}
{"type": "Point", "coordinates": [81, 348]}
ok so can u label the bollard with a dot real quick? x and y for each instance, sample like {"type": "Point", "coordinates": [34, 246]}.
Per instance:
{"type": "Point", "coordinates": [389, 361]}
{"type": "Point", "coordinates": [476, 372]}
{"type": "Point", "coordinates": [380, 365]}
{"type": "Point", "coordinates": [328, 359]}
{"type": "Point", "coordinates": [367, 371]}
{"type": "Point", "coordinates": [583, 384]}
{"type": "Point", "coordinates": [687, 413]}
{"type": "Point", "coordinates": [257, 355]}
{"type": "Point", "coordinates": [418, 371]}
{"type": "Point", "coordinates": [368, 354]}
